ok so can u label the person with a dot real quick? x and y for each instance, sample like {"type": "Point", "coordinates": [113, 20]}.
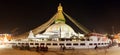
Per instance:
{"type": "Point", "coordinates": [61, 47]}
{"type": "Point", "coordinates": [46, 48]}
{"type": "Point", "coordinates": [64, 47]}
{"type": "Point", "coordinates": [22, 47]}
{"type": "Point", "coordinates": [37, 49]}
{"type": "Point", "coordinates": [96, 47]}
{"type": "Point", "coordinates": [40, 48]}
{"type": "Point", "coordinates": [27, 47]}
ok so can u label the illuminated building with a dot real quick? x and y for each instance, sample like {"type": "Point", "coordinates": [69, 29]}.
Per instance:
{"type": "Point", "coordinates": [57, 30]}
{"type": "Point", "coordinates": [5, 36]}
{"type": "Point", "coordinates": [58, 33]}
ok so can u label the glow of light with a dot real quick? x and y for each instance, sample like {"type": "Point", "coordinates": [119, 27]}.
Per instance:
{"type": "Point", "coordinates": [3, 46]}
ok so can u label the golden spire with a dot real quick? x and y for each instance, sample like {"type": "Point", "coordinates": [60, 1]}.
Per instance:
{"type": "Point", "coordinates": [59, 17]}
{"type": "Point", "coordinates": [60, 7]}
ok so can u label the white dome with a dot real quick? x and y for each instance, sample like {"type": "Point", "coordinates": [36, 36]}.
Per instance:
{"type": "Point", "coordinates": [56, 28]}
{"type": "Point", "coordinates": [66, 30]}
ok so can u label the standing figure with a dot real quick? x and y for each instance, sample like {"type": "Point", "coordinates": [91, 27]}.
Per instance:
{"type": "Point", "coordinates": [46, 48]}
{"type": "Point", "coordinates": [64, 47]}
{"type": "Point", "coordinates": [61, 48]}
{"type": "Point", "coordinates": [96, 47]}
{"type": "Point", "coordinates": [37, 48]}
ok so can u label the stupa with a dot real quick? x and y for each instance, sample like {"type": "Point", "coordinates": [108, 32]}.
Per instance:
{"type": "Point", "coordinates": [59, 29]}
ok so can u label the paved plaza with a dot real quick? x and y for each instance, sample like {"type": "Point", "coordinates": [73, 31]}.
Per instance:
{"type": "Point", "coordinates": [8, 50]}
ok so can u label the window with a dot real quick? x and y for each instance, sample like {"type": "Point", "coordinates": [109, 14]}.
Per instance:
{"type": "Point", "coordinates": [54, 43]}
{"type": "Point", "coordinates": [42, 43]}
{"type": "Point", "coordinates": [98, 43]}
{"type": "Point", "coordinates": [18, 43]}
{"type": "Point", "coordinates": [27, 43]}
{"type": "Point", "coordinates": [90, 44]}
{"type": "Point", "coordinates": [95, 43]}
{"type": "Point", "coordinates": [61, 44]}
{"type": "Point", "coordinates": [82, 43]}
{"type": "Point", "coordinates": [101, 43]}
{"type": "Point", "coordinates": [36, 43]}
{"type": "Point", "coordinates": [48, 44]}
{"type": "Point", "coordinates": [22, 43]}
{"type": "Point", "coordinates": [68, 44]}
{"type": "Point", "coordinates": [75, 44]}
{"type": "Point", "coordinates": [31, 43]}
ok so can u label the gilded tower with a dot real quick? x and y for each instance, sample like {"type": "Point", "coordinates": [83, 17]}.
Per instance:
{"type": "Point", "coordinates": [59, 18]}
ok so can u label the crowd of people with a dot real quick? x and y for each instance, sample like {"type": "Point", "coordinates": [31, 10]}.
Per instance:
{"type": "Point", "coordinates": [62, 48]}
{"type": "Point", "coordinates": [38, 48]}
{"type": "Point", "coordinates": [42, 48]}
{"type": "Point", "coordinates": [23, 47]}
{"type": "Point", "coordinates": [45, 48]}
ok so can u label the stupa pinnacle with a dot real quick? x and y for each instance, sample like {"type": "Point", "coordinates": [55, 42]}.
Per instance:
{"type": "Point", "coordinates": [60, 8]}
{"type": "Point", "coordinates": [59, 18]}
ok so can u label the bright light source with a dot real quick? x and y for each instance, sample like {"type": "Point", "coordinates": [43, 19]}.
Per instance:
{"type": "Point", "coordinates": [3, 46]}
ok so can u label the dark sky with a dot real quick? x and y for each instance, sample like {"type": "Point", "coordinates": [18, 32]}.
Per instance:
{"type": "Point", "coordinates": [22, 15]}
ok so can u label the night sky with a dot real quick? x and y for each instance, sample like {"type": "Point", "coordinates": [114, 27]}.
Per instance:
{"type": "Point", "coordinates": [21, 16]}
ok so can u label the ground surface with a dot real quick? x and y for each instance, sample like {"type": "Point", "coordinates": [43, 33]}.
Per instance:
{"type": "Point", "coordinates": [7, 50]}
